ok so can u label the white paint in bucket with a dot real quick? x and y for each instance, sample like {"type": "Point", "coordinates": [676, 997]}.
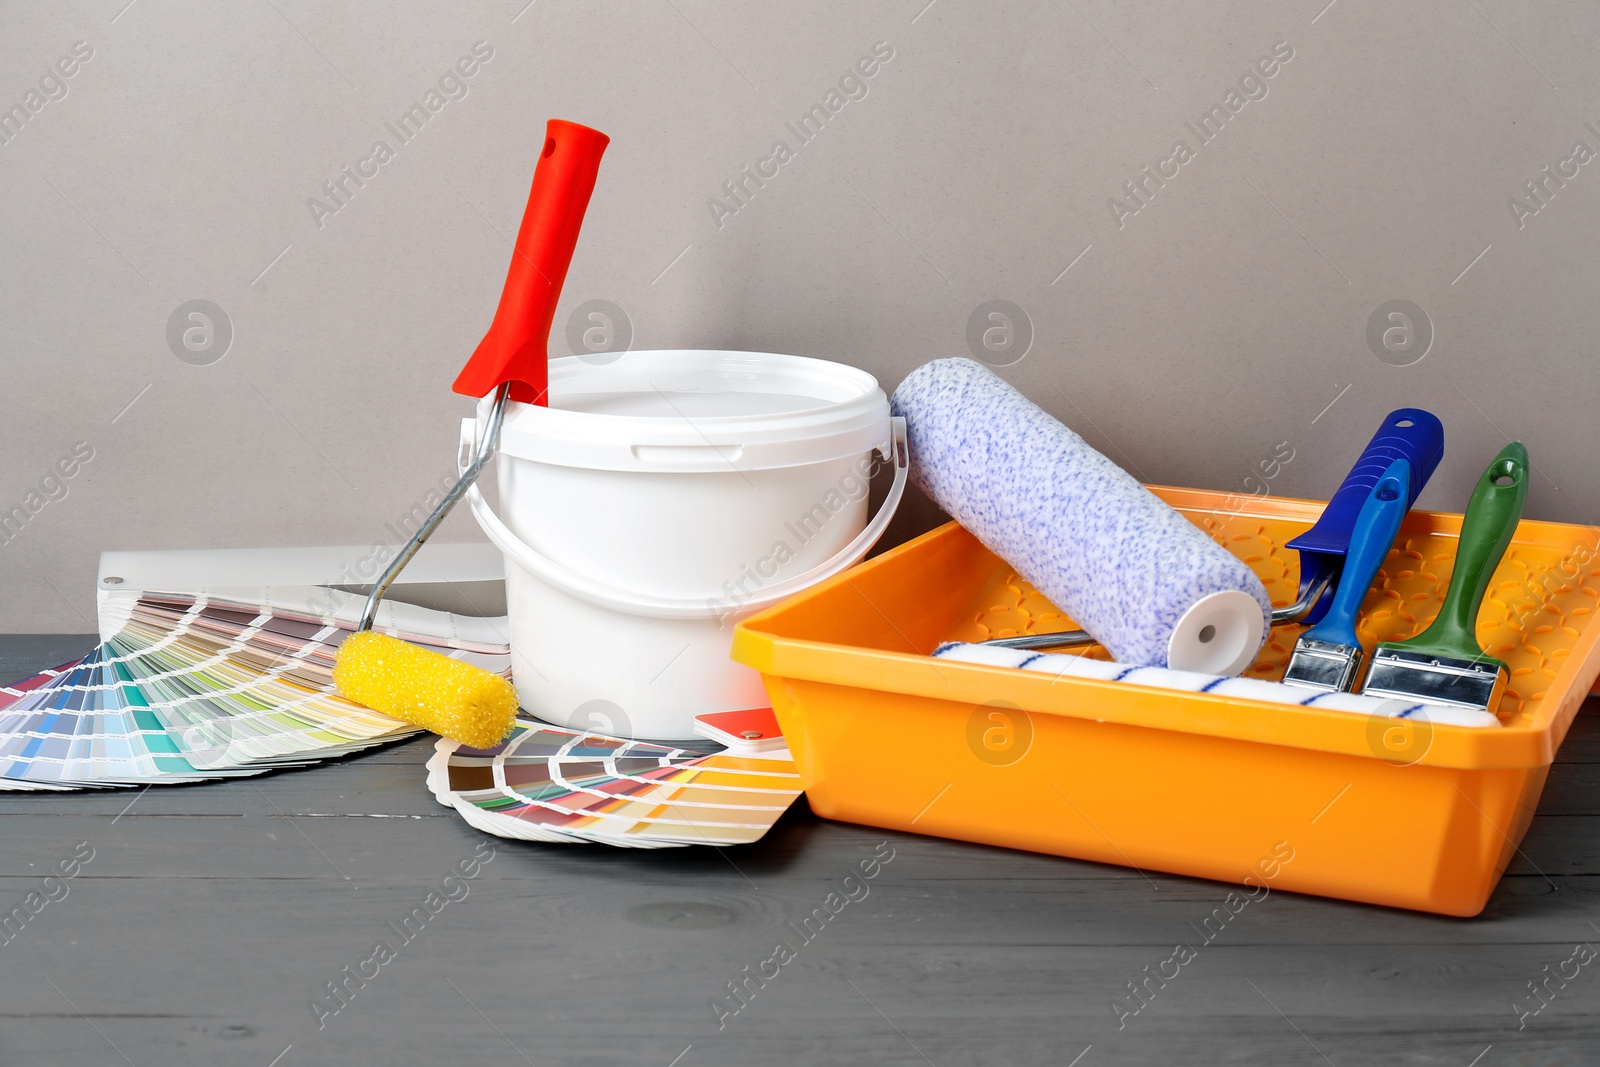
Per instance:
{"type": "Point", "coordinates": [660, 499]}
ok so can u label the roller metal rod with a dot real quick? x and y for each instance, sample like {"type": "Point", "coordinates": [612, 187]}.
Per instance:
{"type": "Point", "coordinates": [1078, 638]}
{"type": "Point", "coordinates": [486, 448]}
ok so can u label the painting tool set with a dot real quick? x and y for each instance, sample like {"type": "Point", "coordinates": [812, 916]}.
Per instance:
{"type": "Point", "coordinates": [1156, 592]}
{"type": "Point", "coordinates": [1435, 664]}
{"type": "Point", "coordinates": [681, 536]}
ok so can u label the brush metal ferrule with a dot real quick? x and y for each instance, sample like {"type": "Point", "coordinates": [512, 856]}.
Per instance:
{"type": "Point", "coordinates": [1474, 684]}
{"type": "Point", "coordinates": [1324, 665]}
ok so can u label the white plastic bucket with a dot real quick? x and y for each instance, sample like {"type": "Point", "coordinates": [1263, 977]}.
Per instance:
{"type": "Point", "coordinates": [658, 500]}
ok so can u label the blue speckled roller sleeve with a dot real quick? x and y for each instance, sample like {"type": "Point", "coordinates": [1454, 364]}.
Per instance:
{"type": "Point", "coordinates": [1103, 548]}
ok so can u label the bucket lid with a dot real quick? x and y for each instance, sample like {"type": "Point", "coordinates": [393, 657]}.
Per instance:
{"type": "Point", "coordinates": [692, 410]}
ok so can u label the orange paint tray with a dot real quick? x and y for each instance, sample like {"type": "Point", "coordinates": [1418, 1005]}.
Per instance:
{"type": "Point", "coordinates": [1385, 811]}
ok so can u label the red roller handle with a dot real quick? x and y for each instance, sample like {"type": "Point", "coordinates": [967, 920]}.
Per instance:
{"type": "Point", "coordinates": [516, 347]}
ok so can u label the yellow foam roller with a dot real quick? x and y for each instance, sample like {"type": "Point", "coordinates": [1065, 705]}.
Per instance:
{"type": "Point", "coordinates": [449, 697]}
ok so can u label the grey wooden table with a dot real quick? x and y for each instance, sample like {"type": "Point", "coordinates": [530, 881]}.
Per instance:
{"type": "Point", "coordinates": [211, 920]}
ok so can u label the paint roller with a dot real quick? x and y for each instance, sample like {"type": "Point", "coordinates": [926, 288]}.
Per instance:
{"type": "Point", "coordinates": [1150, 586]}
{"type": "Point", "coordinates": [384, 673]}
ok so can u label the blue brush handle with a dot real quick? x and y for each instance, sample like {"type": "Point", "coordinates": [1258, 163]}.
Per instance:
{"type": "Point", "coordinates": [1420, 444]}
{"type": "Point", "coordinates": [1374, 532]}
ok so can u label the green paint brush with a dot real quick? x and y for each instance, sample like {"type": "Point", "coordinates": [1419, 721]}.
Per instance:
{"type": "Point", "coordinates": [1444, 664]}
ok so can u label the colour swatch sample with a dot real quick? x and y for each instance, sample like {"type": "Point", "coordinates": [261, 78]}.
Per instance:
{"type": "Point", "coordinates": [550, 783]}
{"type": "Point", "coordinates": [192, 688]}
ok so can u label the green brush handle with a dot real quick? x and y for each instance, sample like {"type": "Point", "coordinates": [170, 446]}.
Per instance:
{"type": "Point", "coordinates": [1491, 519]}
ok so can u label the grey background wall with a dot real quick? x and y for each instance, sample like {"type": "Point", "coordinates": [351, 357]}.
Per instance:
{"type": "Point", "coordinates": [1228, 314]}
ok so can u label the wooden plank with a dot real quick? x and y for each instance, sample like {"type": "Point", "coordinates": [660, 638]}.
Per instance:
{"type": "Point", "coordinates": [210, 918]}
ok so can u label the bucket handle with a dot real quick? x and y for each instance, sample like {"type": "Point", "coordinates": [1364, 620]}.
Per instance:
{"type": "Point", "coordinates": [612, 598]}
